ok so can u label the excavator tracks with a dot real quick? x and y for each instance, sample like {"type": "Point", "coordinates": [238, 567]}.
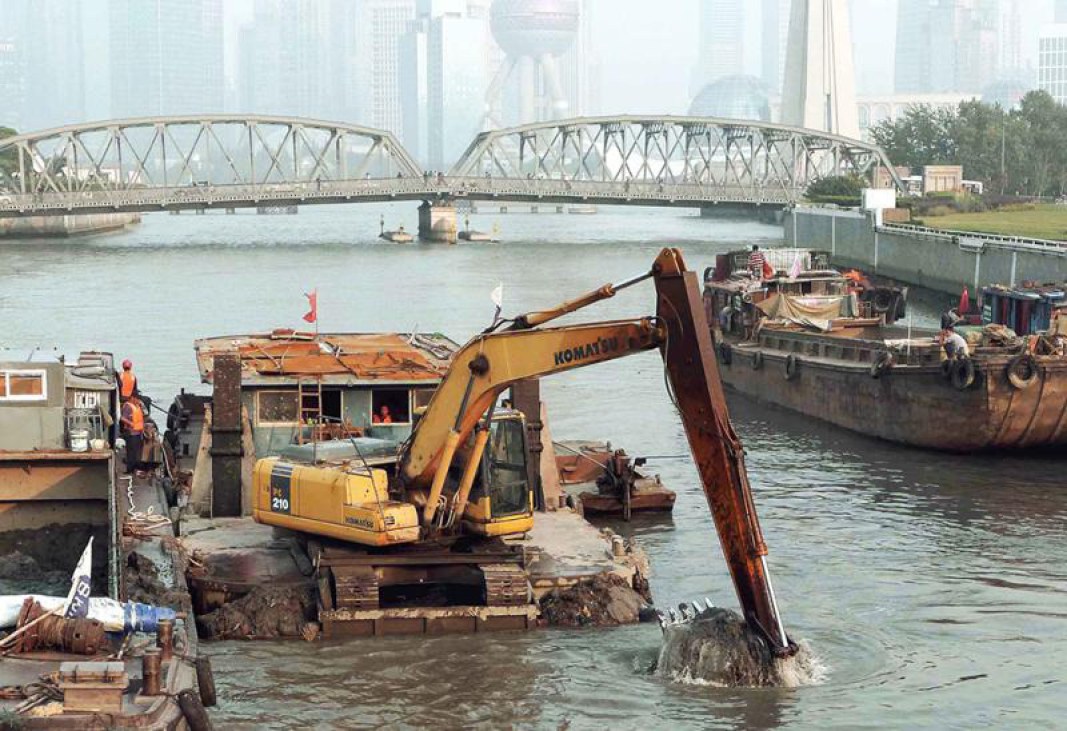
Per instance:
{"type": "Point", "coordinates": [350, 592]}
{"type": "Point", "coordinates": [506, 585]}
{"type": "Point", "coordinates": [355, 587]}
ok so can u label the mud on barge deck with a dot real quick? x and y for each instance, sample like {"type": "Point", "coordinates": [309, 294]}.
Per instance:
{"type": "Point", "coordinates": [250, 581]}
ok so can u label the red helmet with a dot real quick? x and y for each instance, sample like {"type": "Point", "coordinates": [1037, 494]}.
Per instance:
{"type": "Point", "coordinates": [127, 364]}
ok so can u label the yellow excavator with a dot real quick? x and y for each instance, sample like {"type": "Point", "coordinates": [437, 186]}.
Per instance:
{"type": "Point", "coordinates": [460, 482]}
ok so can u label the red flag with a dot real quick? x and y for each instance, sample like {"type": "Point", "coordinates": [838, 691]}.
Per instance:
{"type": "Point", "coordinates": [965, 302]}
{"type": "Point", "coordinates": [313, 303]}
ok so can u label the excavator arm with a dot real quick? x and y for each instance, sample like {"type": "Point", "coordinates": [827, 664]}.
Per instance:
{"type": "Point", "coordinates": [696, 387]}
{"type": "Point", "coordinates": [493, 361]}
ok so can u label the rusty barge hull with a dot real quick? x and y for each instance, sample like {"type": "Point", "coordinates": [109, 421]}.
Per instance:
{"type": "Point", "coordinates": [912, 405]}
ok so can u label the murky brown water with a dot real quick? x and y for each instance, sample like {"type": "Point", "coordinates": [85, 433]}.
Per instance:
{"type": "Point", "coordinates": [933, 587]}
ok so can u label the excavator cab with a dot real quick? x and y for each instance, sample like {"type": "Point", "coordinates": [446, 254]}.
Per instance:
{"type": "Point", "coordinates": [501, 501]}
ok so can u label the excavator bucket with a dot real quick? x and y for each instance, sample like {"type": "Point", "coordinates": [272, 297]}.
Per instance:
{"type": "Point", "coordinates": [694, 380]}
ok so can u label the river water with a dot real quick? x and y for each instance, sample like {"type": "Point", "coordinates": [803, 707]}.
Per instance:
{"type": "Point", "coordinates": [932, 587]}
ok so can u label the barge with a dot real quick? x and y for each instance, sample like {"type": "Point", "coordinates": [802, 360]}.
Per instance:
{"type": "Point", "coordinates": [131, 660]}
{"type": "Point", "coordinates": [342, 404]}
{"type": "Point", "coordinates": [809, 344]}
{"type": "Point", "coordinates": [606, 481]}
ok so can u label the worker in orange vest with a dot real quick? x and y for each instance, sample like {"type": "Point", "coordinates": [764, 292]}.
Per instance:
{"type": "Point", "coordinates": [127, 381]}
{"type": "Point", "coordinates": [133, 432]}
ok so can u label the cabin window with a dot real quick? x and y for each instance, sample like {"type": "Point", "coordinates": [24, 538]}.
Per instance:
{"type": "Point", "coordinates": [422, 397]}
{"type": "Point", "coordinates": [390, 406]}
{"type": "Point", "coordinates": [23, 386]}
{"type": "Point", "coordinates": [277, 408]}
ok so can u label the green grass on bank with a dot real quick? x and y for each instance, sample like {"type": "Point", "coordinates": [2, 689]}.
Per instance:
{"type": "Point", "coordinates": [1040, 222]}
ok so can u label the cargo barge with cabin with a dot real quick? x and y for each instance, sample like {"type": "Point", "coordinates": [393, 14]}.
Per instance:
{"type": "Point", "coordinates": [813, 344]}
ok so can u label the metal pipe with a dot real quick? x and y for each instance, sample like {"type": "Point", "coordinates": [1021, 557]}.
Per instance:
{"type": "Point", "coordinates": [438, 484]}
{"type": "Point", "coordinates": [151, 664]}
{"type": "Point", "coordinates": [165, 639]}
{"type": "Point", "coordinates": [540, 317]}
{"type": "Point", "coordinates": [481, 438]}
{"type": "Point", "coordinates": [782, 638]}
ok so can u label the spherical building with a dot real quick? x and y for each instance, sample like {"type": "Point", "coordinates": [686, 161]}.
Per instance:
{"type": "Point", "coordinates": [535, 34]}
{"type": "Point", "coordinates": [534, 28]}
{"type": "Point", "coordinates": [733, 97]}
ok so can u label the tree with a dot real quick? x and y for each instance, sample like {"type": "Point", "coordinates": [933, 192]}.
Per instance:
{"type": "Point", "coordinates": [842, 189]}
{"type": "Point", "coordinates": [979, 136]}
{"type": "Point", "coordinates": [922, 136]}
{"type": "Point", "coordinates": [1045, 124]}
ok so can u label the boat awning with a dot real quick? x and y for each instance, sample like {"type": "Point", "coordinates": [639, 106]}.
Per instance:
{"type": "Point", "coordinates": [286, 357]}
{"type": "Point", "coordinates": [809, 311]}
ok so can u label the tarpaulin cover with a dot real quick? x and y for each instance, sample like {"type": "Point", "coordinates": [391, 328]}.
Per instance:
{"type": "Point", "coordinates": [812, 312]}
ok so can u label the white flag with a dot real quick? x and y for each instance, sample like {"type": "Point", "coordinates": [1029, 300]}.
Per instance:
{"type": "Point", "coordinates": [77, 604]}
{"type": "Point", "coordinates": [797, 269]}
{"type": "Point", "coordinates": [497, 297]}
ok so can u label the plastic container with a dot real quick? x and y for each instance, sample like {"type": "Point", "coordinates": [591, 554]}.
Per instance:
{"type": "Point", "coordinates": [79, 440]}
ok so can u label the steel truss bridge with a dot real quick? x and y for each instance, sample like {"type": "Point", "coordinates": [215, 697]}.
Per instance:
{"type": "Point", "coordinates": [193, 162]}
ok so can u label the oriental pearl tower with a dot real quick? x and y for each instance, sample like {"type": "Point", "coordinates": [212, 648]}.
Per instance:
{"type": "Point", "coordinates": [533, 34]}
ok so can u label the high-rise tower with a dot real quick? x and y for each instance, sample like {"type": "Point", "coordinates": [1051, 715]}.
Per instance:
{"type": "Point", "coordinates": [534, 35]}
{"type": "Point", "coordinates": [820, 83]}
{"type": "Point", "coordinates": [774, 34]}
{"type": "Point", "coordinates": [722, 41]}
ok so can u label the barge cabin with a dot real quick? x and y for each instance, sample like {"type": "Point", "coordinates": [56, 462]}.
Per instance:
{"type": "Point", "coordinates": [57, 467]}
{"type": "Point", "coordinates": [303, 396]}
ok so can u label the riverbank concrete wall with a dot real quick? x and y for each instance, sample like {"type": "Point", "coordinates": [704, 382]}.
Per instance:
{"type": "Point", "coordinates": [945, 262]}
{"type": "Point", "coordinates": [33, 227]}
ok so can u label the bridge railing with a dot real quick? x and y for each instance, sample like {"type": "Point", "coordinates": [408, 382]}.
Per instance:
{"type": "Point", "coordinates": [215, 196]}
{"type": "Point", "coordinates": [426, 187]}
{"type": "Point", "coordinates": [650, 192]}
{"type": "Point", "coordinates": [977, 240]}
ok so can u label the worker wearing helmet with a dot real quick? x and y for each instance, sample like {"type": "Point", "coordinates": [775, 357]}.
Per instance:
{"type": "Point", "coordinates": [127, 382]}
{"type": "Point", "coordinates": [133, 418]}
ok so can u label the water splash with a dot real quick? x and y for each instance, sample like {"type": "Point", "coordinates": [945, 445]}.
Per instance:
{"type": "Point", "coordinates": [716, 647]}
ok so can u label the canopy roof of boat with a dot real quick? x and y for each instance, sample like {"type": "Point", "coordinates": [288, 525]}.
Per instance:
{"type": "Point", "coordinates": [285, 357]}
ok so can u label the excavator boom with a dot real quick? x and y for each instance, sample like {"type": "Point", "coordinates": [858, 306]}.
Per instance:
{"type": "Point", "coordinates": [493, 361]}
{"type": "Point", "coordinates": [698, 394]}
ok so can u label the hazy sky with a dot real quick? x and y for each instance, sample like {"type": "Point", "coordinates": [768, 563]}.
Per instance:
{"type": "Point", "coordinates": [648, 48]}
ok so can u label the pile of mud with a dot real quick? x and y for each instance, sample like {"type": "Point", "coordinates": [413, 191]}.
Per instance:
{"type": "Point", "coordinates": [263, 613]}
{"type": "Point", "coordinates": [143, 585]}
{"type": "Point", "coordinates": [21, 574]}
{"type": "Point", "coordinates": [606, 600]}
{"type": "Point", "coordinates": [719, 648]}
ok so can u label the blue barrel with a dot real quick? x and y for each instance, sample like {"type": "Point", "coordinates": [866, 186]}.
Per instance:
{"type": "Point", "coordinates": [144, 617]}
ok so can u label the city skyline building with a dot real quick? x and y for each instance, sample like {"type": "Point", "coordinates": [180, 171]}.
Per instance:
{"type": "Point", "coordinates": [947, 45]}
{"type": "Point", "coordinates": [166, 57]}
{"type": "Point", "coordinates": [722, 41]}
{"type": "Point", "coordinates": [1060, 11]}
{"type": "Point", "coordinates": [1052, 61]}
{"type": "Point", "coordinates": [444, 73]}
{"type": "Point", "coordinates": [379, 26]}
{"type": "Point", "coordinates": [12, 64]}
{"type": "Point", "coordinates": [292, 59]}
{"type": "Point", "coordinates": [539, 77]}
{"type": "Point", "coordinates": [1010, 39]}
{"type": "Point", "coordinates": [774, 39]}
{"type": "Point", "coordinates": [50, 64]}
{"type": "Point", "coordinates": [820, 86]}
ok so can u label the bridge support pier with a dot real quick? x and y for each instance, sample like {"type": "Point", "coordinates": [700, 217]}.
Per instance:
{"type": "Point", "coordinates": [438, 223]}
{"type": "Point", "coordinates": [735, 211]}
